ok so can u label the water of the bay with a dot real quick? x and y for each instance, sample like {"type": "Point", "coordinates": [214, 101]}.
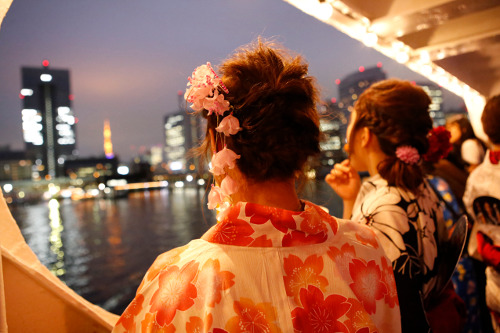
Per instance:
{"type": "Point", "coordinates": [102, 248]}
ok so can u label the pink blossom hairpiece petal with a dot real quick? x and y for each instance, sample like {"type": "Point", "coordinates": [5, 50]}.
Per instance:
{"type": "Point", "coordinates": [230, 125]}
{"type": "Point", "coordinates": [227, 157]}
{"type": "Point", "coordinates": [215, 197]}
{"type": "Point", "coordinates": [221, 105]}
{"type": "Point", "coordinates": [217, 167]}
{"type": "Point", "coordinates": [224, 158]}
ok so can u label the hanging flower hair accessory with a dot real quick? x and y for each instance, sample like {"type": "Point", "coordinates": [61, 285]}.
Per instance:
{"type": "Point", "coordinates": [206, 92]}
{"type": "Point", "coordinates": [408, 154]}
{"type": "Point", "coordinates": [439, 144]}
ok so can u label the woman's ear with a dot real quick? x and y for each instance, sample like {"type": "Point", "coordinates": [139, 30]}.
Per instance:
{"type": "Point", "coordinates": [365, 136]}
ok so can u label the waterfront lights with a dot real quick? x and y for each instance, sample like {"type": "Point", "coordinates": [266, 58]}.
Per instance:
{"type": "Point", "coordinates": [123, 170]}
{"type": "Point", "coordinates": [189, 178]}
{"type": "Point", "coordinates": [179, 184]}
{"type": "Point", "coordinates": [53, 189]}
{"type": "Point", "coordinates": [201, 182]}
{"type": "Point", "coordinates": [8, 188]}
{"type": "Point", "coordinates": [176, 166]}
{"type": "Point", "coordinates": [46, 77]}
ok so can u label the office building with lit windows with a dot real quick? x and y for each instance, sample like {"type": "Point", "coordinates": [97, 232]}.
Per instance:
{"type": "Point", "coordinates": [182, 133]}
{"type": "Point", "coordinates": [332, 123]}
{"type": "Point", "coordinates": [48, 119]}
{"type": "Point", "coordinates": [14, 165]}
{"type": "Point", "coordinates": [354, 84]}
{"type": "Point", "coordinates": [351, 86]}
{"type": "Point", "coordinates": [436, 108]}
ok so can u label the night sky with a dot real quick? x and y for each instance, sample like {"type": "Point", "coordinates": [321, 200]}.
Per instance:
{"type": "Point", "coordinates": [128, 59]}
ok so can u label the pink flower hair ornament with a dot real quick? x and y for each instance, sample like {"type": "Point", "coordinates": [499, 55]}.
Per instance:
{"type": "Point", "coordinates": [215, 197]}
{"type": "Point", "coordinates": [224, 158]}
{"type": "Point", "coordinates": [408, 154]}
{"type": "Point", "coordinates": [204, 93]}
{"type": "Point", "coordinates": [229, 125]}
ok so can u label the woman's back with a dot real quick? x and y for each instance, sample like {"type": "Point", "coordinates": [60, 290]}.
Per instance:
{"type": "Point", "coordinates": [265, 269]}
{"type": "Point", "coordinates": [406, 224]}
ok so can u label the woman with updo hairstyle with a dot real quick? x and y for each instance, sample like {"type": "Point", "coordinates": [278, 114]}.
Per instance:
{"type": "Point", "coordinates": [273, 262]}
{"type": "Point", "coordinates": [388, 138]}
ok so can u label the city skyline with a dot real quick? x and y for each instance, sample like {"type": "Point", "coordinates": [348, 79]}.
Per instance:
{"type": "Point", "coordinates": [128, 62]}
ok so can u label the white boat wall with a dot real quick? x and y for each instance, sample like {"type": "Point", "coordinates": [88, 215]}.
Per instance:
{"type": "Point", "coordinates": [32, 299]}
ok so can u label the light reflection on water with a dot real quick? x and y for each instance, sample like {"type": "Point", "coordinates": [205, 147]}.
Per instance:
{"type": "Point", "coordinates": [102, 248]}
{"type": "Point", "coordinates": [55, 238]}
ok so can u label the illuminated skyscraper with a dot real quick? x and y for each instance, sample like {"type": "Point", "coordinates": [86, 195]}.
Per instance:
{"type": "Point", "coordinates": [108, 145]}
{"type": "Point", "coordinates": [354, 84]}
{"type": "Point", "coordinates": [332, 123]}
{"type": "Point", "coordinates": [351, 86]}
{"type": "Point", "coordinates": [436, 108]}
{"type": "Point", "coordinates": [48, 120]}
{"type": "Point", "coordinates": [182, 132]}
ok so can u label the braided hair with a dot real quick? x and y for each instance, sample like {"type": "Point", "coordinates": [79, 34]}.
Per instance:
{"type": "Point", "coordinates": [396, 112]}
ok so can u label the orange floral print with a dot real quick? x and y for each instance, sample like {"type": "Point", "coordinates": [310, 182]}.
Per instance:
{"type": "Point", "coordinates": [132, 310]}
{"type": "Point", "coordinates": [198, 325]}
{"type": "Point", "coordinates": [298, 238]}
{"type": "Point", "coordinates": [262, 241]}
{"type": "Point", "coordinates": [211, 282]}
{"type": "Point", "coordinates": [367, 286]}
{"type": "Point", "coordinates": [252, 317]}
{"type": "Point", "coordinates": [303, 274]}
{"type": "Point", "coordinates": [231, 230]}
{"type": "Point", "coordinates": [163, 260]}
{"type": "Point", "coordinates": [149, 325]}
{"type": "Point", "coordinates": [319, 315]}
{"type": "Point", "coordinates": [327, 218]}
{"type": "Point", "coordinates": [391, 298]}
{"type": "Point", "coordinates": [342, 258]}
{"type": "Point", "coordinates": [313, 223]}
{"type": "Point", "coordinates": [359, 320]}
{"type": "Point", "coordinates": [175, 292]}
{"type": "Point", "coordinates": [281, 219]}
{"type": "Point", "coordinates": [316, 220]}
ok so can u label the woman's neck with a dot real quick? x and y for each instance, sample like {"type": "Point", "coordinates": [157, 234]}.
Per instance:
{"type": "Point", "coordinates": [373, 160]}
{"type": "Point", "coordinates": [280, 194]}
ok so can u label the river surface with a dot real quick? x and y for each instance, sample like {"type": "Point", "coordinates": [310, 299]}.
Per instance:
{"type": "Point", "coordinates": [102, 248]}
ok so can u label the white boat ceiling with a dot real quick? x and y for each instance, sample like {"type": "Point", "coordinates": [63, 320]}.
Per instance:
{"type": "Point", "coordinates": [449, 42]}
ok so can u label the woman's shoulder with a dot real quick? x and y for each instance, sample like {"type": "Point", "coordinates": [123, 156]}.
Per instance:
{"type": "Point", "coordinates": [358, 234]}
